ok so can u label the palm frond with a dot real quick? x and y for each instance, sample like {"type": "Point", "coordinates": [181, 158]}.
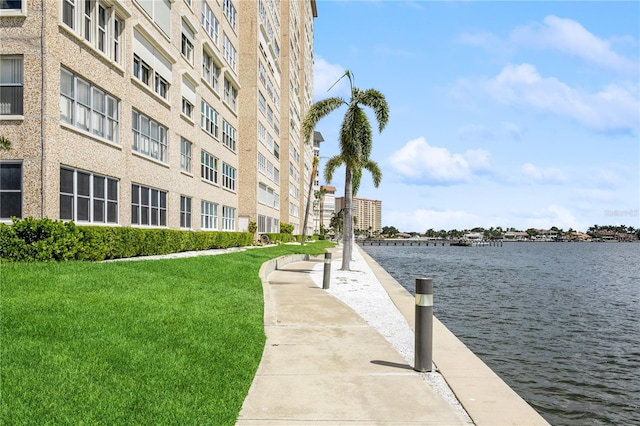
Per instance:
{"type": "Point", "coordinates": [331, 166]}
{"type": "Point", "coordinates": [375, 171]}
{"type": "Point", "coordinates": [377, 102]}
{"type": "Point", "coordinates": [318, 111]}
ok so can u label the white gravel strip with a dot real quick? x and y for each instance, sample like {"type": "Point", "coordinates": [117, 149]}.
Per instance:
{"type": "Point", "coordinates": [361, 291]}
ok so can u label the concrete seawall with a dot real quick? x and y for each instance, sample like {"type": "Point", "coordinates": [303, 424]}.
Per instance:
{"type": "Point", "coordinates": [488, 400]}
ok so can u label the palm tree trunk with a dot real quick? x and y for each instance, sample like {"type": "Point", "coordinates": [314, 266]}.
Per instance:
{"type": "Point", "coordinates": [314, 170]}
{"type": "Point", "coordinates": [347, 237]}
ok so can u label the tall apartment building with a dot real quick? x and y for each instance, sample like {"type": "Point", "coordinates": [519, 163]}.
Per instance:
{"type": "Point", "coordinates": [327, 206]}
{"type": "Point", "coordinates": [276, 47]}
{"type": "Point", "coordinates": [368, 213]}
{"type": "Point", "coordinates": [128, 112]}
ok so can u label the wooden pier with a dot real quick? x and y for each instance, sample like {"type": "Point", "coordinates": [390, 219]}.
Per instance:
{"type": "Point", "coordinates": [417, 243]}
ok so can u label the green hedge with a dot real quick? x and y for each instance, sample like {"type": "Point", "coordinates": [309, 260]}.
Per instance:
{"type": "Point", "coordinates": [32, 240]}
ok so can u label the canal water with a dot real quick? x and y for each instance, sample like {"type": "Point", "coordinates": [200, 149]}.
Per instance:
{"type": "Point", "coordinates": [559, 322]}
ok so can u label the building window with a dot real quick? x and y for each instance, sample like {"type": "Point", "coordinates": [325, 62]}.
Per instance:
{"type": "Point", "coordinates": [209, 119]}
{"type": "Point", "coordinates": [187, 108]}
{"type": "Point", "coordinates": [185, 212]}
{"type": "Point", "coordinates": [185, 155]}
{"type": "Point", "coordinates": [148, 206]}
{"type": "Point", "coordinates": [88, 197]}
{"type": "Point", "coordinates": [230, 12]}
{"type": "Point", "coordinates": [208, 215]}
{"type": "Point", "coordinates": [228, 135]}
{"type": "Point", "coordinates": [69, 13]}
{"type": "Point", "coordinates": [160, 12]}
{"type": "Point", "coordinates": [13, 7]}
{"type": "Point", "coordinates": [187, 42]}
{"type": "Point", "coordinates": [149, 137]}
{"type": "Point", "coordinates": [10, 190]}
{"type": "Point", "coordinates": [262, 103]}
{"type": "Point", "coordinates": [228, 177]}
{"type": "Point", "coordinates": [230, 94]}
{"type": "Point", "coordinates": [88, 107]}
{"type": "Point", "coordinates": [229, 52]}
{"type": "Point", "coordinates": [150, 67]}
{"type": "Point", "coordinates": [210, 70]}
{"type": "Point", "coordinates": [228, 218]}
{"type": "Point", "coordinates": [141, 70]}
{"type": "Point", "coordinates": [162, 87]}
{"type": "Point", "coordinates": [208, 167]}
{"type": "Point", "coordinates": [100, 26]}
{"type": "Point", "coordinates": [210, 22]}
{"type": "Point", "coordinates": [188, 97]}
{"type": "Point", "coordinates": [11, 90]}
{"type": "Point", "coordinates": [262, 163]}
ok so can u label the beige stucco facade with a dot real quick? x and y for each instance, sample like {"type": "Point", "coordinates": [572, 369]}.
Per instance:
{"type": "Point", "coordinates": [118, 95]}
{"type": "Point", "coordinates": [276, 45]}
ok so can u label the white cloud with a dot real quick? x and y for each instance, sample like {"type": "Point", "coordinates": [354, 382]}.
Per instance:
{"type": "Point", "coordinates": [555, 215]}
{"type": "Point", "coordinates": [419, 162]}
{"type": "Point", "coordinates": [548, 175]}
{"type": "Point", "coordinates": [570, 37]}
{"type": "Point", "coordinates": [611, 109]}
{"type": "Point", "coordinates": [326, 75]}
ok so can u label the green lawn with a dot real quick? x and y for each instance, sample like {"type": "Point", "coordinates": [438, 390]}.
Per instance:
{"type": "Point", "coordinates": [126, 343]}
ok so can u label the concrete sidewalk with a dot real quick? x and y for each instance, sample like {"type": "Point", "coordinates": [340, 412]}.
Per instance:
{"type": "Point", "coordinates": [323, 364]}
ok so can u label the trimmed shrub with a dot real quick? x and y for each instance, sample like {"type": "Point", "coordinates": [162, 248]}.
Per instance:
{"type": "Point", "coordinates": [32, 240]}
{"type": "Point", "coordinates": [41, 240]}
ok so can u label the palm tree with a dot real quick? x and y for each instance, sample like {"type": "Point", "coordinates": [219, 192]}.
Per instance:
{"type": "Point", "coordinates": [355, 147]}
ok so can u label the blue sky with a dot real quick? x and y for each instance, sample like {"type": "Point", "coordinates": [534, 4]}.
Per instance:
{"type": "Point", "coordinates": [513, 114]}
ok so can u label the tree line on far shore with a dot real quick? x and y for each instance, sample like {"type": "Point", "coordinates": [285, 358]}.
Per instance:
{"type": "Point", "coordinates": [594, 231]}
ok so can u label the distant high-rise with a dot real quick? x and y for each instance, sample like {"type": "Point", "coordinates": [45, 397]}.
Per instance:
{"type": "Point", "coordinates": [368, 213]}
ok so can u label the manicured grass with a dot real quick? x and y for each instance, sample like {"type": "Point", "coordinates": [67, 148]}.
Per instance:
{"type": "Point", "coordinates": [126, 343]}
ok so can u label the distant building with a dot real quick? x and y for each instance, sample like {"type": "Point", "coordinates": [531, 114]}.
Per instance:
{"type": "Point", "coordinates": [368, 213]}
{"type": "Point", "coordinates": [327, 206]}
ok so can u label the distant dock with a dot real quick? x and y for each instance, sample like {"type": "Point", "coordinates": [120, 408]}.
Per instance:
{"type": "Point", "coordinates": [423, 242]}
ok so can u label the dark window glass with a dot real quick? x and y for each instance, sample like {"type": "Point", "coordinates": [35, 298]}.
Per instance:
{"type": "Point", "coordinates": [11, 176]}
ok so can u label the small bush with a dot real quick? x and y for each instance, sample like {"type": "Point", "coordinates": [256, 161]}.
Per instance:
{"type": "Point", "coordinates": [39, 240]}
{"type": "Point", "coordinates": [286, 228]}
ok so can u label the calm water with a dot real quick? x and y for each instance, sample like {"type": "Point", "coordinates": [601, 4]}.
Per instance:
{"type": "Point", "coordinates": [559, 322]}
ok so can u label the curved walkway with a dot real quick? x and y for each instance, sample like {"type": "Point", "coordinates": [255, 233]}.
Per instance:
{"type": "Point", "coordinates": [323, 364]}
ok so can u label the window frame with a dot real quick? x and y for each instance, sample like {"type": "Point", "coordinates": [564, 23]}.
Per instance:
{"type": "Point", "coordinates": [109, 117]}
{"type": "Point", "coordinates": [8, 88]}
{"type": "Point", "coordinates": [208, 216]}
{"type": "Point", "coordinates": [156, 148]}
{"type": "Point", "coordinates": [229, 174]}
{"type": "Point", "coordinates": [185, 212]}
{"type": "Point", "coordinates": [157, 212]}
{"type": "Point", "coordinates": [209, 118]}
{"type": "Point", "coordinates": [228, 221]}
{"type": "Point", "coordinates": [209, 164]}
{"type": "Point", "coordinates": [4, 190]}
{"type": "Point", "coordinates": [108, 205]}
{"type": "Point", "coordinates": [186, 149]}
{"type": "Point", "coordinates": [229, 135]}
